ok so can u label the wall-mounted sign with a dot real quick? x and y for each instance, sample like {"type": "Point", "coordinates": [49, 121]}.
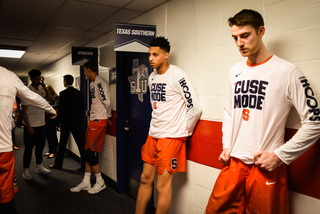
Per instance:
{"type": "Point", "coordinates": [81, 55]}
{"type": "Point", "coordinates": [133, 37]}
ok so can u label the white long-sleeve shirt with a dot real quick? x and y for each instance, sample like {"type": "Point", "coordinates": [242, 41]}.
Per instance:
{"type": "Point", "coordinates": [176, 108]}
{"type": "Point", "coordinates": [100, 97]}
{"type": "Point", "coordinates": [10, 87]}
{"type": "Point", "coordinates": [259, 99]}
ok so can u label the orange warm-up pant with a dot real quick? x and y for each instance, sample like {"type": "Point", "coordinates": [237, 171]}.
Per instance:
{"type": "Point", "coordinates": [95, 134]}
{"type": "Point", "coordinates": [8, 181]}
{"type": "Point", "coordinates": [245, 188]}
{"type": "Point", "coordinates": [165, 153]}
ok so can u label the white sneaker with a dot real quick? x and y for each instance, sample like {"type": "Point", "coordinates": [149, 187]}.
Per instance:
{"type": "Point", "coordinates": [84, 185]}
{"type": "Point", "coordinates": [41, 170]}
{"type": "Point", "coordinates": [26, 174]}
{"type": "Point", "coordinates": [97, 187]}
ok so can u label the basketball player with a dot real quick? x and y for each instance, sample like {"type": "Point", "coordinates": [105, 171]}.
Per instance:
{"type": "Point", "coordinates": [10, 87]}
{"type": "Point", "coordinates": [261, 91]}
{"type": "Point", "coordinates": [175, 113]}
{"type": "Point", "coordinates": [100, 115]}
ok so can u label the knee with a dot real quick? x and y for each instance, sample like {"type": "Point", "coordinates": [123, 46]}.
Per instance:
{"type": "Point", "coordinates": [91, 158]}
{"type": "Point", "coordinates": [145, 179]}
{"type": "Point", "coordinates": [163, 187]}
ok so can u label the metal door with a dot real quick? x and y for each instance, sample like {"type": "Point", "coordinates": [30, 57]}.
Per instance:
{"type": "Point", "coordinates": [133, 118]}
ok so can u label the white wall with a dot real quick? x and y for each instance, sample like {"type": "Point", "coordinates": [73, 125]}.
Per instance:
{"type": "Point", "coordinates": [202, 45]}
{"type": "Point", "coordinates": [54, 76]}
{"type": "Point", "coordinates": [108, 155]}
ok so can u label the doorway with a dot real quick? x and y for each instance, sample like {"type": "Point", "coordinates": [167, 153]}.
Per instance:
{"type": "Point", "coordinates": [133, 118]}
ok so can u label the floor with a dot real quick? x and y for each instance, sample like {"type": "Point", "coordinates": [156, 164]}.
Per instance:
{"type": "Point", "coordinates": [50, 193]}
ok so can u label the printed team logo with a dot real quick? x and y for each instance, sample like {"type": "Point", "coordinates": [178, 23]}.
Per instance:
{"type": "Point", "coordinates": [238, 74]}
{"type": "Point", "coordinates": [101, 92]}
{"type": "Point", "coordinates": [139, 79]}
{"type": "Point", "coordinates": [174, 163]}
{"type": "Point", "coordinates": [94, 146]}
{"type": "Point", "coordinates": [312, 102]}
{"type": "Point", "coordinates": [158, 93]}
{"type": "Point", "coordinates": [154, 105]}
{"type": "Point", "coordinates": [249, 94]}
{"type": "Point", "coordinates": [187, 94]}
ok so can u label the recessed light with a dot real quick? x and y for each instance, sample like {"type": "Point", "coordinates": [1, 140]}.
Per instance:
{"type": "Point", "coordinates": [8, 51]}
{"type": "Point", "coordinates": [11, 53]}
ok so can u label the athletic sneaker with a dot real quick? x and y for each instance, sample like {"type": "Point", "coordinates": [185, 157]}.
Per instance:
{"type": "Point", "coordinates": [41, 170]}
{"type": "Point", "coordinates": [84, 185]}
{"type": "Point", "coordinates": [26, 174]}
{"type": "Point", "coordinates": [97, 187]}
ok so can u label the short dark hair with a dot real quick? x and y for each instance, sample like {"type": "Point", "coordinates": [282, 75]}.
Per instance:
{"type": "Point", "coordinates": [92, 65]}
{"type": "Point", "coordinates": [68, 78]}
{"type": "Point", "coordinates": [161, 42]}
{"type": "Point", "coordinates": [34, 73]}
{"type": "Point", "coordinates": [247, 17]}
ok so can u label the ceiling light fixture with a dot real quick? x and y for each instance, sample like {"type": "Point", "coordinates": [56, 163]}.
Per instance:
{"type": "Point", "coordinates": [8, 51]}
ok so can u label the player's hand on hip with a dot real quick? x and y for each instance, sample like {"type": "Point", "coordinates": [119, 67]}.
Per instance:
{"type": "Point", "coordinates": [225, 157]}
{"type": "Point", "coordinates": [266, 160]}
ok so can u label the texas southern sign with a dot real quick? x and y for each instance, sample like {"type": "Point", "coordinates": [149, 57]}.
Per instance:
{"type": "Point", "coordinates": [133, 37]}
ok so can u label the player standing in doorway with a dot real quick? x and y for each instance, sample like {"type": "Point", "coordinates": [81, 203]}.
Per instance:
{"type": "Point", "coordinates": [100, 115]}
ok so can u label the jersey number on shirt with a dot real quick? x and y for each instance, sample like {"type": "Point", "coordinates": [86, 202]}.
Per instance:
{"type": "Point", "coordinates": [245, 114]}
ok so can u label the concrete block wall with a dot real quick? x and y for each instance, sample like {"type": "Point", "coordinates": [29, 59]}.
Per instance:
{"type": "Point", "coordinates": [202, 45]}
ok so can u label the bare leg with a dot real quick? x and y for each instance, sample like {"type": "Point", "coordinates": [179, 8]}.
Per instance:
{"type": "Point", "coordinates": [87, 168]}
{"type": "Point", "coordinates": [96, 169]}
{"type": "Point", "coordinates": [164, 189]}
{"type": "Point", "coordinates": [145, 188]}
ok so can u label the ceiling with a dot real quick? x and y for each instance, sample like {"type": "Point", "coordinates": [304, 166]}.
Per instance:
{"type": "Point", "coordinates": [49, 28]}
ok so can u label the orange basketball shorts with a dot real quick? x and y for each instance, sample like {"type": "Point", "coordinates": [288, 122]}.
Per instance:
{"type": "Point", "coordinates": [164, 153]}
{"type": "Point", "coordinates": [245, 188]}
{"type": "Point", "coordinates": [96, 131]}
{"type": "Point", "coordinates": [8, 181]}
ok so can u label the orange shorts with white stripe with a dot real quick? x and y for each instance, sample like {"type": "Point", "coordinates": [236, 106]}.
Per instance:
{"type": "Point", "coordinates": [96, 131]}
{"type": "Point", "coordinates": [8, 181]}
{"type": "Point", "coordinates": [165, 153]}
{"type": "Point", "coordinates": [245, 188]}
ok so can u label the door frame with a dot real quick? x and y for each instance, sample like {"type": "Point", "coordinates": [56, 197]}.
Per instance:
{"type": "Point", "coordinates": [120, 124]}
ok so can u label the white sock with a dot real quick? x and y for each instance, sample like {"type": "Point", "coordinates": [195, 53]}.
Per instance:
{"type": "Point", "coordinates": [98, 177]}
{"type": "Point", "coordinates": [87, 176]}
